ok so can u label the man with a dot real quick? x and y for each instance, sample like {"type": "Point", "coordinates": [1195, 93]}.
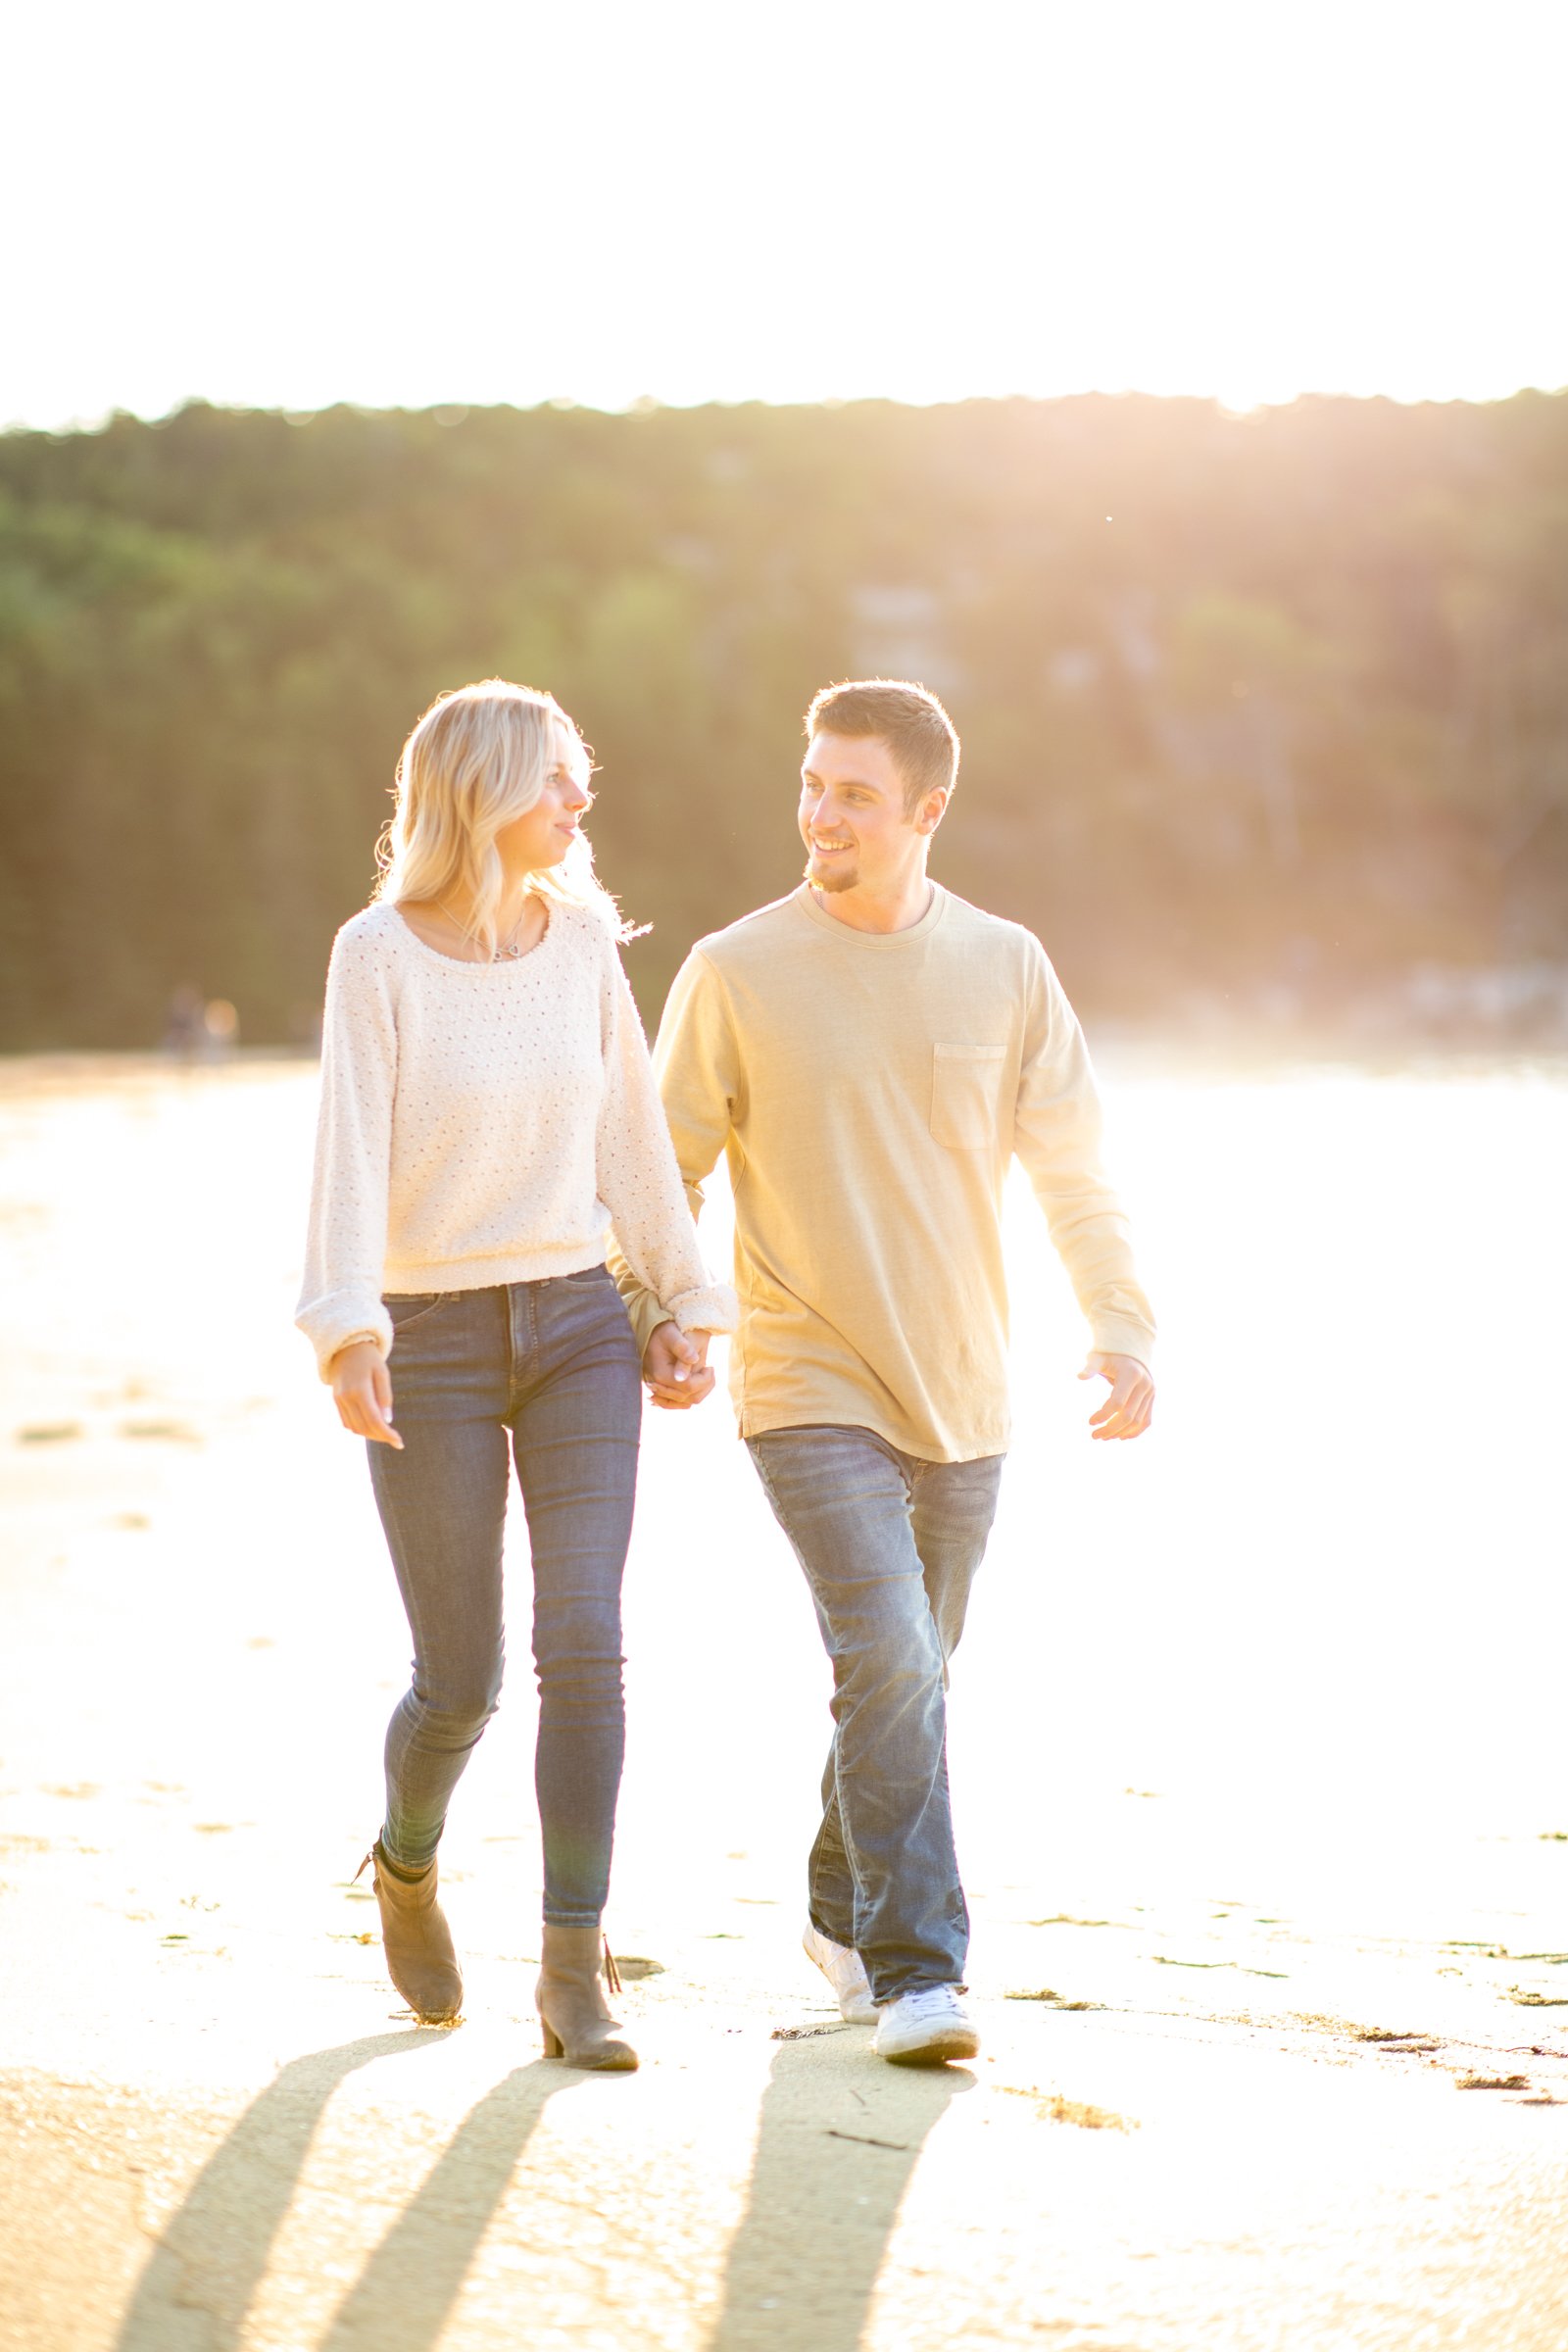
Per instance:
{"type": "Point", "coordinates": [869, 1052]}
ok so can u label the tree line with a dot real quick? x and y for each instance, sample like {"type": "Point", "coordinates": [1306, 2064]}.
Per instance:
{"type": "Point", "coordinates": [1257, 711]}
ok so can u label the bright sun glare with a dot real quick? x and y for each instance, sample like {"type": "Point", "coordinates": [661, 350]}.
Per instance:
{"type": "Point", "coordinates": [494, 202]}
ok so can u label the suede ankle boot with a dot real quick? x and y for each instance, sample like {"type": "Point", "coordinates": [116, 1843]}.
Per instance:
{"type": "Point", "coordinates": [416, 1942]}
{"type": "Point", "coordinates": [570, 1999]}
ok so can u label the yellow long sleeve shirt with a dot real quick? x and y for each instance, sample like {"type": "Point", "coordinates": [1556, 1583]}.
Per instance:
{"type": "Point", "coordinates": [868, 1090]}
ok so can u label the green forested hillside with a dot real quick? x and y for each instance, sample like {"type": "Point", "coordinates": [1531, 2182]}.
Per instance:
{"type": "Point", "coordinates": [1261, 710]}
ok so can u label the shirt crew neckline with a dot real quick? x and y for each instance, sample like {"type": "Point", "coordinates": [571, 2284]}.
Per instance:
{"type": "Point", "coordinates": [459, 964]}
{"type": "Point", "coordinates": [881, 940]}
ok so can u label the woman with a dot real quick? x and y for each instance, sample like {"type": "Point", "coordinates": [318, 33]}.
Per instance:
{"type": "Point", "coordinates": [487, 1110]}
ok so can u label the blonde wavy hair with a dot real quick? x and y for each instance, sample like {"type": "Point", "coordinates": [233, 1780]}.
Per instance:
{"type": "Point", "coordinates": [476, 760]}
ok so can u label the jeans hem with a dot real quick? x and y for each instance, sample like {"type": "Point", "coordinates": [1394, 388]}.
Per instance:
{"type": "Point", "coordinates": [399, 1864]}
{"type": "Point", "coordinates": [814, 1918]}
{"type": "Point", "coordinates": [917, 1984]}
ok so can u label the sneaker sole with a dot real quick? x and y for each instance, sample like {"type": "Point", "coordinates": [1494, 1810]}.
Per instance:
{"type": "Point", "coordinates": [959, 2041]}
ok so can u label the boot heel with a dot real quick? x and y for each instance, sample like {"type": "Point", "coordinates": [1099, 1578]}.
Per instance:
{"type": "Point", "coordinates": [570, 1996]}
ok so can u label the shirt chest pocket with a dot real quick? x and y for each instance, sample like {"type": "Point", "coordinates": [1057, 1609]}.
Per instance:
{"type": "Point", "coordinates": [966, 1095]}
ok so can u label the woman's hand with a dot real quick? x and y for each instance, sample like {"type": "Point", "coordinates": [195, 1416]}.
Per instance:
{"type": "Point", "coordinates": [362, 1391]}
{"type": "Point", "coordinates": [675, 1368]}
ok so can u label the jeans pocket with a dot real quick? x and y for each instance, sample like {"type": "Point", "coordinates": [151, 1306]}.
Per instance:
{"type": "Point", "coordinates": [409, 1307]}
{"type": "Point", "coordinates": [966, 1095]}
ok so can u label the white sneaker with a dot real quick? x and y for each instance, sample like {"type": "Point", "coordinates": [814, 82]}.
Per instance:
{"type": "Point", "coordinates": [926, 2028]}
{"type": "Point", "coordinates": [845, 1971]}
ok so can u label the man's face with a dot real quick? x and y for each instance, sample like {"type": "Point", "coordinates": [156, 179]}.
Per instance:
{"type": "Point", "coordinates": [852, 816]}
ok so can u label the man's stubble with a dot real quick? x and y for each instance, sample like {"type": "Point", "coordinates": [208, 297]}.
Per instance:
{"type": "Point", "coordinates": [840, 879]}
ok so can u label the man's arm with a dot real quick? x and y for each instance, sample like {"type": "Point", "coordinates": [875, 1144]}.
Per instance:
{"type": "Point", "coordinates": [697, 1069]}
{"type": "Point", "coordinates": [1057, 1137]}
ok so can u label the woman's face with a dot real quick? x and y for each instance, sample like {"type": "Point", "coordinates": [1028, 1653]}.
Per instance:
{"type": "Point", "coordinates": [543, 836]}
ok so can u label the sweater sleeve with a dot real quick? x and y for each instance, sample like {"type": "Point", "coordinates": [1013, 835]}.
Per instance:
{"type": "Point", "coordinates": [346, 1241]}
{"type": "Point", "coordinates": [696, 1067]}
{"type": "Point", "coordinates": [1056, 1135]}
{"type": "Point", "coordinates": [655, 1240]}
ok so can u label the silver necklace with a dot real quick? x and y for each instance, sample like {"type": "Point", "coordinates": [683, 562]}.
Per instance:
{"type": "Point", "coordinates": [506, 951]}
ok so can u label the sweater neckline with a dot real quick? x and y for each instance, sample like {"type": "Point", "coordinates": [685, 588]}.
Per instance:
{"type": "Point", "coordinates": [458, 964]}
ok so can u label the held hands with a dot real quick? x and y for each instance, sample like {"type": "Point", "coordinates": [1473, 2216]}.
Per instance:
{"type": "Point", "coordinates": [1129, 1408]}
{"type": "Point", "coordinates": [362, 1391]}
{"type": "Point", "coordinates": [676, 1369]}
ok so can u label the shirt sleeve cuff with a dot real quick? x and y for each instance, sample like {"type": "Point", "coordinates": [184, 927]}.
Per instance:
{"type": "Point", "coordinates": [1112, 1337]}
{"type": "Point", "coordinates": [715, 1308]}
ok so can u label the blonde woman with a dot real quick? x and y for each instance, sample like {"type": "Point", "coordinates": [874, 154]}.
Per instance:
{"type": "Point", "coordinates": [487, 1113]}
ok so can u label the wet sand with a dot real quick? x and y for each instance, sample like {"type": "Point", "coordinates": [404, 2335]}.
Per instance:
{"type": "Point", "coordinates": [1256, 1742]}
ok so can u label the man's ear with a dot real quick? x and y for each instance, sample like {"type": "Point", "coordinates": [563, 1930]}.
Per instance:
{"type": "Point", "coordinates": [932, 811]}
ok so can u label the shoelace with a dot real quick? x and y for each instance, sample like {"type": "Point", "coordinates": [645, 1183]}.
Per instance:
{"type": "Point", "coordinates": [933, 2000]}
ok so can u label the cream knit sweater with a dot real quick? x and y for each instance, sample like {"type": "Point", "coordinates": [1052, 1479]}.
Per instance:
{"type": "Point", "coordinates": [484, 1124]}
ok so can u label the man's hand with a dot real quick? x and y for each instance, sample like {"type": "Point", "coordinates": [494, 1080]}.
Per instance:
{"type": "Point", "coordinates": [1130, 1408]}
{"type": "Point", "coordinates": [362, 1391]}
{"type": "Point", "coordinates": [676, 1369]}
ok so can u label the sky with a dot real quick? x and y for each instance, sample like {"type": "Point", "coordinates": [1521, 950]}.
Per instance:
{"type": "Point", "coordinates": [474, 202]}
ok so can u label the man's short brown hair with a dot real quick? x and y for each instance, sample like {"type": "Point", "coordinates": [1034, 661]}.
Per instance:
{"type": "Point", "coordinates": [910, 721]}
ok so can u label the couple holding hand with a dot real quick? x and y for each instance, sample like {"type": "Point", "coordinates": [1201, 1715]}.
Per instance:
{"type": "Point", "coordinates": [500, 1239]}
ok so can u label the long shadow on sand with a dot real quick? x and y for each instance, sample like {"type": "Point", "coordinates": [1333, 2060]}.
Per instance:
{"type": "Point", "coordinates": [403, 2296]}
{"type": "Point", "coordinates": [213, 2252]}
{"type": "Point", "coordinates": [206, 2267]}
{"type": "Point", "coordinates": [831, 2168]}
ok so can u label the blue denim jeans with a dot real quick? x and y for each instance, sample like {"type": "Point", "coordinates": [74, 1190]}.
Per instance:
{"type": "Point", "coordinates": [890, 1545]}
{"type": "Point", "coordinates": [548, 1371]}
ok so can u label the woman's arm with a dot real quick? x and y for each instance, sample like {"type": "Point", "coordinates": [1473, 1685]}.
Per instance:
{"type": "Point", "coordinates": [340, 1301]}
{"type": "Point", "coordinates": [638, 1179]}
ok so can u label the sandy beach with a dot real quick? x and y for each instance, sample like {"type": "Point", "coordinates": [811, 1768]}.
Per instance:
{"type": "Point", "coordinates": [1257, 1749]}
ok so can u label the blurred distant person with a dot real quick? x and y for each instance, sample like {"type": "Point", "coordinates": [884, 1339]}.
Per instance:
{"type": "Point", "coordinates": [870, 1052]}
{"type": "Point", "coordinates": [185, 1023]}
{"type": "Point", "coordinates": [487, 1107]}
{"type": "Point", "coordinates": [221, 1028]}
